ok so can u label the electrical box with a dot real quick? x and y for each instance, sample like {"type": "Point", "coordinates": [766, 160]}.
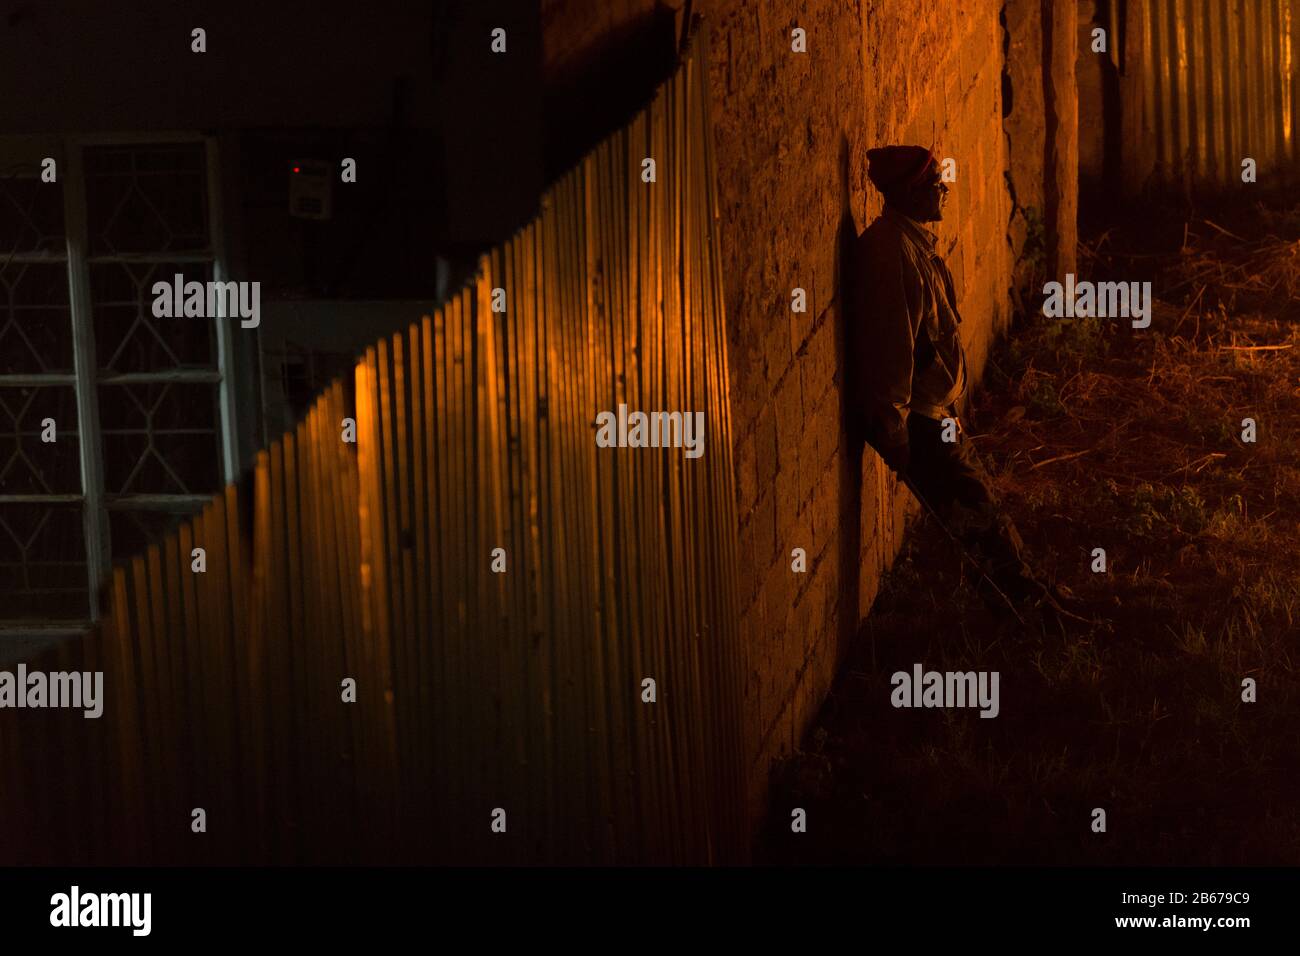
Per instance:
{"type": "Point", "coordinates": [311, 190]}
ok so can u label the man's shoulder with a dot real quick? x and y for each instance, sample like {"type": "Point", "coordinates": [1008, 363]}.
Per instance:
{"type": "Point", "coordinates": [883, 241]}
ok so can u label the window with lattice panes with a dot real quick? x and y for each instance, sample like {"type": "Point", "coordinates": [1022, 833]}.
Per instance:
{"type": "Point", "coordinates": [79, 344]}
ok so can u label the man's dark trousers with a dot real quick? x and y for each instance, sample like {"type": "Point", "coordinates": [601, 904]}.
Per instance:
{"type": "Point", "coordinates": [955, 484]}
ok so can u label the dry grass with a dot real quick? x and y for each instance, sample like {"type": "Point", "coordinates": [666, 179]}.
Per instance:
{"type": "Point", "coordinates": [1100, 435]}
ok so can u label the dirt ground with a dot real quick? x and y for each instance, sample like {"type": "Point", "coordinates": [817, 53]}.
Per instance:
{"type": "Point", "coordinates": [1099, 435]}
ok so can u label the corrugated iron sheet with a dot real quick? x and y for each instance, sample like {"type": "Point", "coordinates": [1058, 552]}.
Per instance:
{"type": "Point", "coordinates": [1214, 82]}
{"type": "Point", "coordinates": [475, 691]}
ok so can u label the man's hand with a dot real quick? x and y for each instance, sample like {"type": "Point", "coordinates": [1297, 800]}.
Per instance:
{"type": "Point", "coordinates": [898, 456]}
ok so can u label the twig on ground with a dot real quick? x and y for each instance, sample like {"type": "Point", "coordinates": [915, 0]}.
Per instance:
{"type": "Point", "coordinates": [1231, 235]}
{"type": "Point", "coordinates": [1048, 461]}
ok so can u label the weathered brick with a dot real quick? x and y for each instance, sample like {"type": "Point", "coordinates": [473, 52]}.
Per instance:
{"type": "Point", "coordinates": [789, 408]}
{"type": "Point", "coordinates": [827, 425]}
{"type": "Point", "coordinates": [792, 645]}
{"type": "Point", "coordinates": [818, 362]}
{"type": "Point", "coordinates": [765, 454]}
{"type": "Point", "coordinates": [775, 332]}
{"type": "Point", "coordinates": [764, 525]}
{"type": "Point", "coordinates": [746, 474]}
{"type": "Point", "coordinates": [751, 623]}
{"type": "Point", "coordinates": [807, 470]}
{"type": "Point", "coordinates": [778, 592]}
{"type": "Point", "coordinates": [747, 585]}
{"type": "Point", "coordinates": [787, 500]}
{"type": "Point", "coordinates": [801, 537]}
{"type": "Point", "coordinates": [801, 322]}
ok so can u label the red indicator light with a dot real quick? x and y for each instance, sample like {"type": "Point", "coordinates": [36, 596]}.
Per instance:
{"type": "Point", "coordinates": [295, 169]}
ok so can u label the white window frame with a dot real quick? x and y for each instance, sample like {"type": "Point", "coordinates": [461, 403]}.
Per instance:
{"type": "Point", "coordinates": [85, 378]}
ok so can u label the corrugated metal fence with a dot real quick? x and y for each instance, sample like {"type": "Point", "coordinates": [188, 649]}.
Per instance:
{"type": "Point", "coordinates": [1207, 84]}
{"type": "Point", "coordinates": [483, 695]}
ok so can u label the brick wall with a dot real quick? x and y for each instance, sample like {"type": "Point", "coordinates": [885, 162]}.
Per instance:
{"type": "Point", "coordinates": [1026, 134]}
{"type": "Point", "coordinates": [791, 132]}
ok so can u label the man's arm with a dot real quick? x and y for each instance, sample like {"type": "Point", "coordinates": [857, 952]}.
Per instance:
{"type": "Point", "coordinates": [889, 325]}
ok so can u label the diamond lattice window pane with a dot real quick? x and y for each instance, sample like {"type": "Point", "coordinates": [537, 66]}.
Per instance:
{"type": "Point", "coordinates": [147, 199]}
{"type": "Point", "coordinates": [31, 217]}
{"type": "Point", "coordinates": [160, 438]}
{"type": "Point", "coordinates": [28, 465]}
{"type": "Point", "coordinates": [35, 320]}
{"type": "Point", "coordinates": [129, 337]}
{"type": "Point", "coordinates": [43, 562]}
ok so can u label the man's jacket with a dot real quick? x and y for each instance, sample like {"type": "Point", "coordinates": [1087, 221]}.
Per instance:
{"type": "Point", "coordinates": [907, 353]}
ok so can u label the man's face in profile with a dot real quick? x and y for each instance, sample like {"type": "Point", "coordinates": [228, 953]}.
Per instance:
{"type": "Point", "coordinates": [924, 200]}
{"type": "Point", "coordinates": [928, 197]}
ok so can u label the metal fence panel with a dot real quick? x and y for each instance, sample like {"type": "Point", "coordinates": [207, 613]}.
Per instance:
{"type": "Point", "coordinates": [372, 562]}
